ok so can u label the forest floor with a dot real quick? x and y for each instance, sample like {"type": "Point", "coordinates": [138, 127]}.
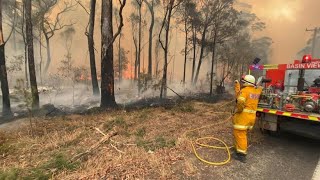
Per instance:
{"type": "Point", "coordinates": [150, 143]}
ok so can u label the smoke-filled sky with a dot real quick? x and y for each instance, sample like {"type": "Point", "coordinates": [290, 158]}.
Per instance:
{"type": "Point", "coordinates": [286, 22]}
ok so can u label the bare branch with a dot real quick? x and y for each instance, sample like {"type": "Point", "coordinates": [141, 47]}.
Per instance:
{"type": "Point", "coordinates": [162, 26]}
{"type": "Point", "coordinates": [94, 147]}
{"type": "Point", "coordinates": [57, 24]}
{"type": "Point", "coordinates": [86, 32]}
{"type": "Point", "coordinates": [150, 6]}
{"type": "Point", "coordinates": [61, 27]}
{"type": "Point", "coordinates": [139, 2]}
{"type": "Point", "coordinates": [22, 34]}
{"type": "Point", "coordinates": [84, 8]}
{"type": "Point", "coordinates": [122, 4]}
{"type": "Point", "coordinates": [147, 42]}
{"type": "Point", "coordinates": [13, 23]}
{"type": "Point", "coordinates": [180, 1]}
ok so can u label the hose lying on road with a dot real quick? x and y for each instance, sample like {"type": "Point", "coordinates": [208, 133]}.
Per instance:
{"type": "Point", "coordinates": [197, 141]}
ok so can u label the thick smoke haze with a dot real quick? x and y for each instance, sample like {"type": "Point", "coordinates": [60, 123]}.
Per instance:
{"type": "Point", "coordinates": [286, 22]}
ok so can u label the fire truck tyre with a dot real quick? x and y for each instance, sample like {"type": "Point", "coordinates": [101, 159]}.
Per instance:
{"type": "Point", "coordinates": [269, 132]}
{"type": "Point", "coordinates": [309, 106]}
{"type": "Point", "coordinates": [263, 131]}
{"type": "Point", "coordinates": [273, 133]}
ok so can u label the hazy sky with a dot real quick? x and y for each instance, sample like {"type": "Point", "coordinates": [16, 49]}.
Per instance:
{"type": "Point", "coordinates": [287, 21]}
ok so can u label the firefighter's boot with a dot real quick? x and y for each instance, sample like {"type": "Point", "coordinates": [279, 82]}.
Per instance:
{"type": "Point", "coordinates": [240, 157]}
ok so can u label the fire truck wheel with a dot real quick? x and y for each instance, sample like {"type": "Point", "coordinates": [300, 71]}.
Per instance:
{"type": "Point", "coordinates": [273, 133]}
{"type": "Point", "coordinates": [270, 133]}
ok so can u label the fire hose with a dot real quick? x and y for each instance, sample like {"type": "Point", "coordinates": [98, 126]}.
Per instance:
{"type": "Point", "coordinates": [198, 143]}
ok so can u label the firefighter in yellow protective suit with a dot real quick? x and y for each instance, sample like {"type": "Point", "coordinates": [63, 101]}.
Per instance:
{"type": "Point", "coordinates": [245, 115]}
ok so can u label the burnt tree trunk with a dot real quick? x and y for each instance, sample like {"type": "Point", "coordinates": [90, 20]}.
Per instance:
{"type": "Point", "coordinates": [213, 58]}
{"type": "Point", "coordinates": [163, 92]}
{"type": "Point", "coordinates": [139, 48]}
{"type": "Point", "coordinates": [157, 59]}
{"type": "Point", "coordinates": [150, 6]}
{"type": "Point", "coordinates": [194, 43]}
{"type": "Point", "coordinates": [107, 72]}
{"type": "Point", "coordinates": [25, 48]}
{"type": "Point", "coordinates": [94, 79]}
{"type": "Point", "coordinates": [185, 51]}
{"type": "Point", "coordinates": [6, 107]}
{"type": "Point", "coordinates": [48, 51]}
{"type": "Point", "coordinates": [32, 71]}
{"type": "Point", "coordinates": [14, 40]}
{"type": "Point", "coordinates": [26, 64]}
{"type": "Point", "coordinates": [136, 58]}
{"type": "Point", "coordinates": [119, 56]}
{"type": "Point", "coordinates": [41, 59]}
{"type": "Point", "coordinates": [203, 39]}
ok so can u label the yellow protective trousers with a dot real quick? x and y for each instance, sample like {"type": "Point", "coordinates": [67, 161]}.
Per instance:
{"type": "Point", "coordinates": [242, 122]}
{"type": "Point", "coordinates": [240, 141]}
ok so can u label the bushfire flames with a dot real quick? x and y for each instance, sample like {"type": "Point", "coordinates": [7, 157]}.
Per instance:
{"type": "Point", "coordinates": [129, 73]}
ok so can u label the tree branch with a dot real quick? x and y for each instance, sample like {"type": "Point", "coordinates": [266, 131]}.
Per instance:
{"type": "Point", "coordinates": [162, 26]}
{"type": "Point", "coordinates": [13, 23]}
{"type": "Point", "coordinates": [86, 32]}
{"type": "Point", "coordinates": [22, 34]}
{"type": "Point", "coordinates": [180, 1]}
{"type": "Point", "coordinates": [57, 25]}
{"type": "Point", "coordinates": [94, 147]}
{"type": "Point", "coordinates": [122, 4]}
{"type": "Point", "coordinates": [82, 6]}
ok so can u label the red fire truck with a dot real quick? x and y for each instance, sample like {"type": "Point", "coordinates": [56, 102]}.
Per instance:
{"type": "Point", "coordinates": [291, 97]}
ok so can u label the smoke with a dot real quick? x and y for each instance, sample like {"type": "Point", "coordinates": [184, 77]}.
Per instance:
{"type": "Point", "coordinates": [286, 23]}
{"type": "Point", "coordinates": [127, 90]}
{"type": "Point", "coordinates": [285, 20]}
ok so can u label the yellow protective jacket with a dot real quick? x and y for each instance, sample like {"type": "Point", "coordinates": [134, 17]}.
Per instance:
{"type": "Point", "coordinates": [247, 104]}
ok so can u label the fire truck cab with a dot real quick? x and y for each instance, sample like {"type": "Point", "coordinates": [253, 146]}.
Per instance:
{"type": "Point", "coordinates": [291, 97]}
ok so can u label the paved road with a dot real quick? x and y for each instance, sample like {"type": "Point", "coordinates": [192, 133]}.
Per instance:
{"type": "Point", "coordinates": [289, 156]}
{"type": "Point", "coordinates": [286, 157]}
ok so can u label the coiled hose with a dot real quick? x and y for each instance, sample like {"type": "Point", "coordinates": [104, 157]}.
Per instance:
{"type": "Point", "coordinates": [198, 141]}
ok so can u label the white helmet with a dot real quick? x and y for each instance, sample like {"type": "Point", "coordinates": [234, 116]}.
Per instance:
{"type": "Point", "coordinates": [249, 80]}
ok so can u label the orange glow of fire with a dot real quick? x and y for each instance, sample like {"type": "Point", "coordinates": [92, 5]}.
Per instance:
{"type": "Point", "coordinates": [129, 73]}
{"type": "Point", "coordinates": [82, 77]}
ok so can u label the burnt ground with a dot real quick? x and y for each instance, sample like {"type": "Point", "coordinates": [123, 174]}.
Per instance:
{"type": "Point", "coordinates": [92, 106]}
{"type": "Point", "coordinates": [151, 143]}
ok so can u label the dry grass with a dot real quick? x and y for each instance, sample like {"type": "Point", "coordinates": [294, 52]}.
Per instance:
{"type": "Point", "coordinates": [151, 144]}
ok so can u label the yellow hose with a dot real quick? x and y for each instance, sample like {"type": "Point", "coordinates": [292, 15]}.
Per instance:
{"type": "Point", "coordinates": [197, 142]}
{"type": "Point", "coordinates": [213, 147]}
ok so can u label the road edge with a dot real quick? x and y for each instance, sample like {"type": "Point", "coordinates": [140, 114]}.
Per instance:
{"type": "Point", "coordinates": [316, 174]}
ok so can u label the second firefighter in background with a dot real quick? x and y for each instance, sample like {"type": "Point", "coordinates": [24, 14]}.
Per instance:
{"type": "Point", "coordinates": [245, 115]}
